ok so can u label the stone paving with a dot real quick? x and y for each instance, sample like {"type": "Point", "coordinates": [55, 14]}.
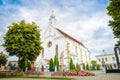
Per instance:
{"type": "Point", "coordinates": [109, 76]}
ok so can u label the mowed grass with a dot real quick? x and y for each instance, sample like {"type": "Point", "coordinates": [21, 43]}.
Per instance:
{"type": "Point", "coordinates": [38, 77]}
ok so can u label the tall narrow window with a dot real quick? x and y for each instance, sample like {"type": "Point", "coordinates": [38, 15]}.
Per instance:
{"type": "Point", "coordinates": [113, 58]}
{"type": "Point", "coordinates": [106, 59]}
{"type": "Point", "coordinates": [56, 50]}
{"type": "Point", "coordinates": [99, 59]}
{"type": "Point", "coordinates": [102, 59]}
{"type": "Point", "coordinates": [43, 53]}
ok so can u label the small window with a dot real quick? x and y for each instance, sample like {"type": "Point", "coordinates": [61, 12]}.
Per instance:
{"type": "Point", "coordinates": [114, 65]}
{"type": "Point", "coordinates": [102, 59]}
{"type": "Point", "coordinates": [106, 59]}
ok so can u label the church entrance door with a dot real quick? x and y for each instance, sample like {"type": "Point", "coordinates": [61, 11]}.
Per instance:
{"type": "Point", "coordinates": [42, 68]}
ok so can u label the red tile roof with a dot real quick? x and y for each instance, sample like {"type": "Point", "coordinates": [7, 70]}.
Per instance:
{"type": "Point", "coordinates": [68, 36]}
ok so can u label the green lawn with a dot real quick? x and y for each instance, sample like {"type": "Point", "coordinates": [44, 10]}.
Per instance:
{"type": "Point", "coordinates": [38, 77]}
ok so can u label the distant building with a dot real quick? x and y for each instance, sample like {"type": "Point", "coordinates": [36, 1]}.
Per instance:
{"type": "Point", "coordinates": [14, 63]}
{"type": "Point", "coordinates": [109, 59]}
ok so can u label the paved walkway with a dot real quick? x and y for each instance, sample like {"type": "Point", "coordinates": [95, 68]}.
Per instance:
{"type": "Point", "coordinates": [109, 76]}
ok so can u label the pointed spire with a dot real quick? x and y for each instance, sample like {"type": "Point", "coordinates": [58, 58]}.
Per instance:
{"type": "Point", "coordinates": [52, 20]}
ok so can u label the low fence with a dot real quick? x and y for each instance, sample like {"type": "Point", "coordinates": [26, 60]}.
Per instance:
{"type": "Point", "coordinates": [113, 71]}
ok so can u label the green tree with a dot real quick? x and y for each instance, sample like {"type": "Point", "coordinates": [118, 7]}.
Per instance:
{"type": "Point", "coordinates": [93, 65]}
{"type": "Point", "coordinates": [56, 62]}
{"type": "Point", "coordinates": [98, 67]}
{"type": "Point", "coordinates": [83, 66]}
{"type": "Point", "coordinates": [3, 60]}
{"type": "Point", "coordinates": [57, 65]}
{"type": "Point", "coordinates": [28, 65]}
{"type": "Point", "coordinates": [111, 66]}
{"type": "Point", "coordinates": [93, 62]}
{"type": "Point", "coordinates": [77, 68]}
{"type": "Point", "coordinates": [23, 40]}
{"type": "Point", "coordinates": [72, 66]}
{"type": "Point", "coordinates": [87, 67]}
{"type": "Point", "coordinates": [51, 65]}
{"type": "Point", "coordinates": [108, 67]}
{"type": "Point", "coordinates": [114, 11]}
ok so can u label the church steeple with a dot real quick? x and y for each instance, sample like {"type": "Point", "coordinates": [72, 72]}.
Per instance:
{"type": "Point", "coordinates": [52, 20]}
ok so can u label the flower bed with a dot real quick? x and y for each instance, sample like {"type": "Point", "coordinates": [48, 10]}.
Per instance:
{"type": "Point", "coordinates": [74, 73]}
{"type": "Point", "coordinates": [71, 73]}
{"type": "Point", "coordinates": [85, 73]}
{"type": "Point", "coordinates": [33, 73]}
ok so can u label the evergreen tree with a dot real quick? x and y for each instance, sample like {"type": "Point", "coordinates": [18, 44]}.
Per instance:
{"type": "Point", "coordinates": [114, 11]}
{"type": "Point", "coordinates": [51, 65]}
{"type": "Point", "coordinates": [83, 66]}
{"type": "Point", "coordinates": [87, 67]}
{"type": "Point", "coordinates": [98, 67]}
{"type": "Point", "coordinates": [111, 66]}
{"type": "Point", "coordinates": [57, 65]}
{"type": "Point", "coordinates": [108, 67]}
{"type": "Point", "coordinates": [56, 62]}
{"type": "Point", "coordinates": [72, 66]}
{"type": "Point", "coordinates": [93, 67]}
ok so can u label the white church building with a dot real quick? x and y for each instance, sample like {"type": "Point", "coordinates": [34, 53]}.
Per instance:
{"type": "Point", "coordinates": [57, 42]}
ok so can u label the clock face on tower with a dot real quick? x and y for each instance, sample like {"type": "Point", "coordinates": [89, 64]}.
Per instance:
{"type": "Point", "coordinates": [49, 44]}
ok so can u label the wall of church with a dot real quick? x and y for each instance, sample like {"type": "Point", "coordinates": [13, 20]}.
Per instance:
{"type": "Point", "coordinates": [79, 54]}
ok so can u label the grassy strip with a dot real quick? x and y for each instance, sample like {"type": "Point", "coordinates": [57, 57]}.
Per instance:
{"type": "Point", "coordinates": [38, 77]}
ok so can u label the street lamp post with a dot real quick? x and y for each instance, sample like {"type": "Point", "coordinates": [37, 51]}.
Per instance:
{"type": "Point", "coordinates": [117, 51]}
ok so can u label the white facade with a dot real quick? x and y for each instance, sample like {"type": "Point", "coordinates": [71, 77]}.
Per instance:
{"type": "Point", "coordinates": [57, 42]}
{"type": "Point", "coordinates": [109, 59]}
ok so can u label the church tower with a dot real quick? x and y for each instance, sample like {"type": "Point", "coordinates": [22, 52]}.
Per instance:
{"type": "Point", "coordinates": [52, 20]}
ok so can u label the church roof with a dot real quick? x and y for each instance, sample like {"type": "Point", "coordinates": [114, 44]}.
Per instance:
{"type": "Point", "coordinates": [68, 36]}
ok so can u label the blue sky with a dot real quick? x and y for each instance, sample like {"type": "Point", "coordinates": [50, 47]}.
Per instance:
{"type": "Point", "coordinates": [85, 20]}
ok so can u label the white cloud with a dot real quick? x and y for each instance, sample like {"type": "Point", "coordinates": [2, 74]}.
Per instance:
{"type": "Point", "coordinates": [78, 19]}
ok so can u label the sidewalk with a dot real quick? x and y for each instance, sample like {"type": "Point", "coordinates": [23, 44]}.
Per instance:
{"type": "Point", "coordinates": [109, 76]}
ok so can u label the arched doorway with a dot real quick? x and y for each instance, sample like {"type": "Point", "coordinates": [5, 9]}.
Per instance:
{"type": "Point", "coordinates": [42, 68]}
